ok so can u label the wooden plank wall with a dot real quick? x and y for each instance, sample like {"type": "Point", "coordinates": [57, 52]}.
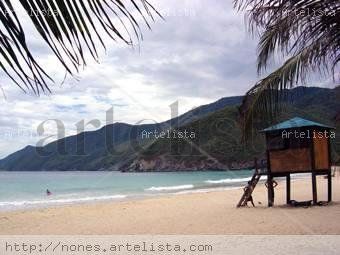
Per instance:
{"type": "Point", "coordinates": [291, 160]}
{"type": "Point", "coordinates": [321, 153]}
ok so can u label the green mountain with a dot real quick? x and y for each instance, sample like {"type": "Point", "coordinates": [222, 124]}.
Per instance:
{"type": "Point", "coordinates": [213, 140]}
{"type": "Point", "coordinates": [105, 149]}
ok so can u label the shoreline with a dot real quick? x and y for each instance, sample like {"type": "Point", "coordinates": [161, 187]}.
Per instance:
{"type": "Point", "coordinates": [210, 185]}
{"type": "Point", "coordinates": [212, 212]}
{"type": "Point", "coordinates": [118, 198]}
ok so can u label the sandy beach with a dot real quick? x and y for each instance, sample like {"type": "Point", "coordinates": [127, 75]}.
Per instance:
{"type": "Point", "coordinates": [197, 213]}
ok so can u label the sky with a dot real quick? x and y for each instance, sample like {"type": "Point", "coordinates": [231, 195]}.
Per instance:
{"type": "Point", "coordinates": [200, 53]}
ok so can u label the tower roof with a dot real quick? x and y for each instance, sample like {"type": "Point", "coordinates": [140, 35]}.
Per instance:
{"type": "Point", "coordinates": [296, 122]}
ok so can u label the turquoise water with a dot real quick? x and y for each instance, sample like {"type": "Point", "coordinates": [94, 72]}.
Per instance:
{"type": "Point", "coordinates": [28, 189]}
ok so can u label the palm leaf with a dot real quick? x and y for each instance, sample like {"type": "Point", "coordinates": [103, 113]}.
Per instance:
{"type": "Point", "coordinates": [291, 28]}
{"type": "Point", "coordinates": [70, 28]}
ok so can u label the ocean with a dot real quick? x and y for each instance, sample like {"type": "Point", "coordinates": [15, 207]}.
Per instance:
{"type": "Point", "coordinates": [20, 190]}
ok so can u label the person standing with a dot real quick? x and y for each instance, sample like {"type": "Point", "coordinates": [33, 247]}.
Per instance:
{"type": "Point", "coordinates": [48, 192]}
{"type": "Point", "coordinates": [271, 184]}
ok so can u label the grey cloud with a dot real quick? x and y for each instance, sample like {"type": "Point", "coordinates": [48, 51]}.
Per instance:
{"type": "Point", "coordinates": [201, 51]}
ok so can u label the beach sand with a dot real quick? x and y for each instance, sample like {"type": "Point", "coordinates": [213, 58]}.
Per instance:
{"type": "Point", "coordinates": [197, 213]}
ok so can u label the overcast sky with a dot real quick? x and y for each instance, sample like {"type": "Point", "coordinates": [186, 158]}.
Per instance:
{"type": "Point", "coordinates": [200, 53]}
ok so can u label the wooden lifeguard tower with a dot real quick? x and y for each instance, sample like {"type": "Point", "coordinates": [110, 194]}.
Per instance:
{"type": "Point", "coordinates": [294, 146]}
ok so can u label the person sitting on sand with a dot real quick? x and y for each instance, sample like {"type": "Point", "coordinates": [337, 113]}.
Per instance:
{"type": "Point", "coordinates": [48, 193]}
{"type": "Point", "coordinates": [250, 198]}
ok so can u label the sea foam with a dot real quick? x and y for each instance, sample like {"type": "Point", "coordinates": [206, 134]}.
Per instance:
{"type": "Point", "coordinates": [169, 188]}
{"type": "Point", "coordinates": [59, 201]}
{"type": "Point", "coordinates": [234, 180]}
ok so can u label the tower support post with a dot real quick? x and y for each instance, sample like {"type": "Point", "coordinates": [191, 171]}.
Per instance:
{"type": "Point", "coordinates": [314, 188]}
{"type": "Point", "coordinates": [288, 188]}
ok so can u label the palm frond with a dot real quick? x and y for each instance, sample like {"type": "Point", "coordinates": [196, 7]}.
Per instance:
{"type": "Point", "coordinates": [70, 28]}
{"type": "Point", "coordinates": [269, 96]}
{"type": "Point", "coordinates": [307, 32]}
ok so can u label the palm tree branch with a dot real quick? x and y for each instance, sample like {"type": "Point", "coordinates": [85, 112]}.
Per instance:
{"type": "Point", "coordinates": [307, 32]}
{"type": "Point", "coordinates": [69, 28]}
{"type": "Point", "coordinates": [268, 97]}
